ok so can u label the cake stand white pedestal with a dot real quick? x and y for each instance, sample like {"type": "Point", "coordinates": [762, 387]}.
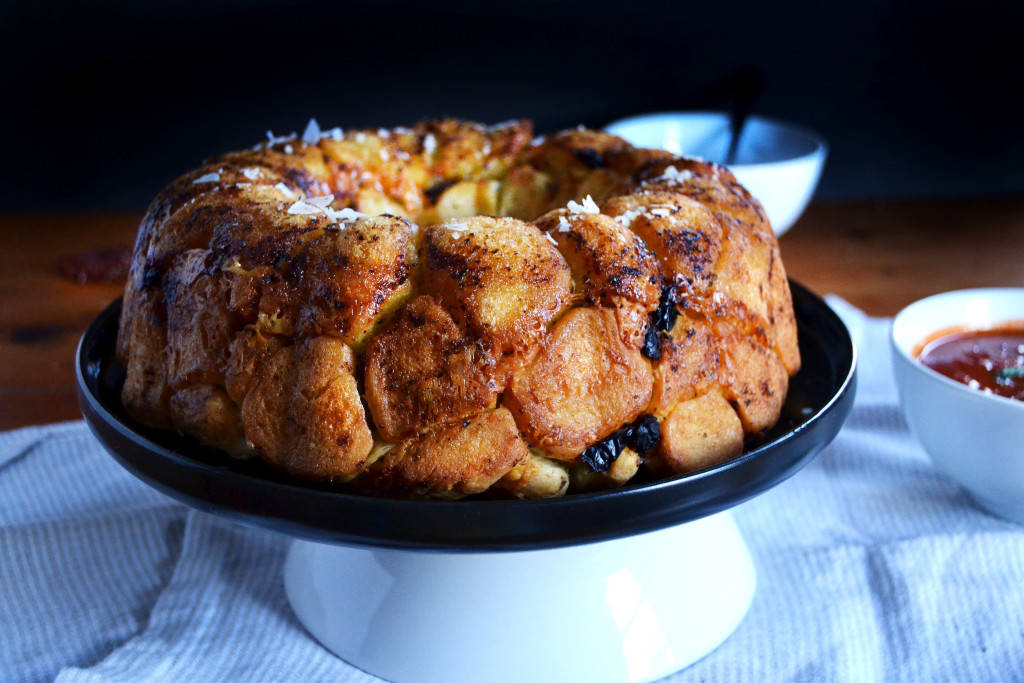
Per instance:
{"type": "Point", "coordinates": [632, 609]}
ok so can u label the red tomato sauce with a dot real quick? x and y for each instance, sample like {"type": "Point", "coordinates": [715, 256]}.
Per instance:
{"type": "Point", "coordinates": [988, 360]}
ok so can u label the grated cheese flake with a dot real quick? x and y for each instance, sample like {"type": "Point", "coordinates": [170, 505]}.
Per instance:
{"type": "Point", "coordinates": [302, 207]}
{"type": "Point", "coordinates": [288, 149]}
{"type": "Point", "coordinates": [311, 135]}
{"type": "Point", "coordinates": [343, 215]}
{"type": "Point", "coordinates": [630, 215]}
{"type": "Point", "coordinates": [674, 175]}
{"type": "Point", "coordinates": [276, 139]}
{"type": "Point", "coordinates": [321, 201]}
{"type": "Point", "coordinates": [588, 206]}
{"type": "Point", "coordinates": [322, 205]}
{"type": "Point", "coordinates": [208, 178]}
{"type": "Point", "coordinates": [550, 238]}
{"type": "Point", "coordinates": [563, 225]}
{"type": "Point", "coordinates": [251, 173]}
{"type": "Point", "coordinates": [429, 143]}
{"type": "Point", "coordinates": [285, 190]}
{"type": "Point", "coordinates": [503, 124]}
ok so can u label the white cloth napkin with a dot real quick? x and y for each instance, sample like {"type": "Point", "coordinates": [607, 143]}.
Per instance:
{"type": "Point", "coordinates": [871, 567]}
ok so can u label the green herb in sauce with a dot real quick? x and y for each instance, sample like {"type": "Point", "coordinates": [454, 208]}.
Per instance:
{"type": "Point", "coordinates": [1007, 375]}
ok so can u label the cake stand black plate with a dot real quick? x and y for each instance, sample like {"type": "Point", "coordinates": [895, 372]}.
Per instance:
{"type": "Point", "coordinates": [247, 491]}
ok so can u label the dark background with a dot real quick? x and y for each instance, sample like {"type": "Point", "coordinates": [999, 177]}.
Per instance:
{"type": "Point", "coordinates": [105, 103]}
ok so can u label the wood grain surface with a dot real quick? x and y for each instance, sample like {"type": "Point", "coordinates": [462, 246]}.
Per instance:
{"type": "Point", "coordinates": [880, 256]}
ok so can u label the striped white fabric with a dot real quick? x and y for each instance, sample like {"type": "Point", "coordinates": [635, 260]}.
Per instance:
{"type": "Point", "coordinates": [871, 567]}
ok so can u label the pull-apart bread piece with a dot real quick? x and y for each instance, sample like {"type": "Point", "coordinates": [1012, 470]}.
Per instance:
{"type": "Point", "coordinates": [451, 310]}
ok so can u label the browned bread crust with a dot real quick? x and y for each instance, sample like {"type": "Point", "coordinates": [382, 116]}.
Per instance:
{"type": "Point", "coordinates": [374, 307]}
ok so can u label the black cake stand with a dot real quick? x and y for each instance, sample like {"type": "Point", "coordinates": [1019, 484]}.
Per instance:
{"type": "Point", "coordinates": [644, 579]}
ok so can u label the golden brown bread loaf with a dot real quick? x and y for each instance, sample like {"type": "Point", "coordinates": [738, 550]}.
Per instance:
{"type": "Point", "coordinates": [375, 308]}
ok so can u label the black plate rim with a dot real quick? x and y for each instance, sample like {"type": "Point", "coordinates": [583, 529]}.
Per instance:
{"type": "Point", "coordinates": [530, 528]}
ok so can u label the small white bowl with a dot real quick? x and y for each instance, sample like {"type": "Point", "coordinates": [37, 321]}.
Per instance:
{"type": "Point", "coordinates": [777, 162]}
{"type": "Point", "coordinates": [973, 437]}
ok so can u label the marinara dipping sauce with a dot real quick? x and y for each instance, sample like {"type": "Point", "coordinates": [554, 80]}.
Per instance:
{"type": "Point", "coordinates": [988, 360]}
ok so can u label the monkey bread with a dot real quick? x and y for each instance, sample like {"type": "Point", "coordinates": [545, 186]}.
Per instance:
{"type": "Point", "coordinates": [451, 309]}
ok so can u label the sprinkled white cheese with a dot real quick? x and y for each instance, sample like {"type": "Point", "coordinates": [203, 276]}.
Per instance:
{"type": "Point", "coordinates": [242, 185]}
{"type": "Point", "coordinates": [537, 141]}
{"type": "Point", "coordinates": [275, 139]}
{"type": "Point", "coordinates": [661, 211]}
{"type": "Point", "coordinates": [588, 206]}
{"type": "Point", "coordinates": [550, 238]}
{"type": "Point", "coordinates": [503, 124]}
{"type": "Point", "coordinates": [334, 134]}
{"type": "Point", "coordinates": [383, 132]}
{"type": "Point", "coordinates": [303, 207]}
{"type": "Point", "coordinates": [384, 156]}
{"type": "Point", "coordinates": [251, 173]}
{"type": "Point", "coordinates": [627, 218]}
{"type": "Point", "coordinates": [673, 174]}
{"type": "Point", "coordinates": [581, 127]}
{"type": "Point", "coordinates": [320, 201]}
{"type": "Point", "coordinates": [360, 138]}
{"type": "Point", "coordinates": [429, 143]}
{"type": "Point", "coordinates": [311, 135]}
{"type": "Point", "coordinates": [315, 205]}
{"type": "Point", "coordinates": [401, 130]}
{"type": "Point", "coordinates": [288, 149]}
{"type": "Point", "coordinates": [208, 178]}
{"type": "Point", "coordinates": [343, 215]}
{"type": "Point", "coordinates": [486, 150]}
{"type": "Point", "coordinates": [285, 190]}
{"type": "Point", "coordinates": [457, 227]}
{"type": "Point", "coordinates": [563, 225]}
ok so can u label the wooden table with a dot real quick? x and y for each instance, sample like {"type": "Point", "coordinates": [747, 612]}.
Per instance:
{"type": "Point", "coordinates": [880, 256]}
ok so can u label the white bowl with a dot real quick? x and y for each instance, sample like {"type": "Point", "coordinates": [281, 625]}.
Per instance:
{"type": "Point", "coordinates": [777, 162]}
{"type": "Point", "coordinates": [975, 438]}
